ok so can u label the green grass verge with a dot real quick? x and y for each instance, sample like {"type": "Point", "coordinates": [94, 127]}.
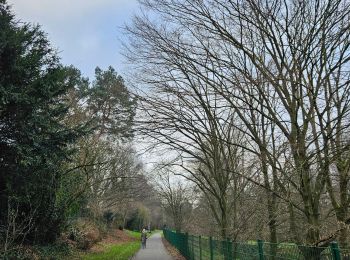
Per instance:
{"type": "Point", "coordinates": [118, 252]}
{"type": "Point", "coordinates": [134, 234]}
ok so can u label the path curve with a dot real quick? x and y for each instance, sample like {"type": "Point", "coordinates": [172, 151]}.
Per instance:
{"type": "Point", "coordinates": [155, 250]}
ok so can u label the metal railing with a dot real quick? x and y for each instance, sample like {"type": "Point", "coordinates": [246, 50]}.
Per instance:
{"type": "Point", "coordinates": [207, 248]}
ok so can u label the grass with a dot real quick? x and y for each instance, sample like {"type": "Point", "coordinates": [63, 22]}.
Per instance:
{"type": "Point", "coordinates": [118, 252]}
{"type": "Point", "coordinates": [121, 251]}
{"type": "Point", "coordinates": [134, 234]}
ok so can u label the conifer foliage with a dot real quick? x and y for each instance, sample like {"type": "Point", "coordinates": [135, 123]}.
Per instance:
{"type": "Point", "coordinates": [34, 141]}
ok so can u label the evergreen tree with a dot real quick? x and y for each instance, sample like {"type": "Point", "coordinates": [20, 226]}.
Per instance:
{"type": "Point", "coordinates": [111, 104]}
{"type": "Point", "coordinates": [34, 141]}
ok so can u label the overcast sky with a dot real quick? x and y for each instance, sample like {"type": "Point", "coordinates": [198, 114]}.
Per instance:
{"type": "Point", "coordinates": [86, 32]}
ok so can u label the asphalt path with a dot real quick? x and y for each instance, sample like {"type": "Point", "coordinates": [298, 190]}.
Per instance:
{"type": "Point", "coordinates": [154, 250]}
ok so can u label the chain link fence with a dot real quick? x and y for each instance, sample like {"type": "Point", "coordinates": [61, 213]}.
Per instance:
{"type": "Point", "coordinates": [207, 248]}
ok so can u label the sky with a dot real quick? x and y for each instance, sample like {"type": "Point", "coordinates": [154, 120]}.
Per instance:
{"type": "Point", "coordinates": [87, 33]}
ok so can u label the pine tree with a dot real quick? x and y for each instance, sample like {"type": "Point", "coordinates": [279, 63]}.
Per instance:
{"type": "Point", "coordinates": [111, 104]}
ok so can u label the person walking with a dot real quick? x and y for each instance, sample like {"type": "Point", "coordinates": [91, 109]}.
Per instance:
{"type": "Point", "coordinates": [143, 238]}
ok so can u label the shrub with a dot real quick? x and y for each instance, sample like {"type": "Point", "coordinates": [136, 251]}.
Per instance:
{"type": "Point", "coordinates": [85, 233]}
{"type": "Point", "coordinates": [20, 252]}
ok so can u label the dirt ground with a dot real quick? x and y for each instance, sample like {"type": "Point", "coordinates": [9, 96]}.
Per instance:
{"type": "Point", "coordinates": [114, 237]}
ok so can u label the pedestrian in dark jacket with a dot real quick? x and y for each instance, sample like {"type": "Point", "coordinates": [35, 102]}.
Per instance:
{"type": "Point", "coordinates": [143, 238]}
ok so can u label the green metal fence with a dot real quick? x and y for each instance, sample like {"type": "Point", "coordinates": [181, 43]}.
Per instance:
{"type": "Point", "coordinates": [203, 248]}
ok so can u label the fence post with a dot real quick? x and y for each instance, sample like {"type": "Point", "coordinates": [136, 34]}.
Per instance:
{"type": "Point", "coordinates": [335, 251]}
{"type": "Point", "coordinates": [187, 251]}
{"type": "Point", "coordinates": [211, 247]}
{"type": "Point", "coordinates": [200, 247]}
{"type": "Point", "coordinates": [184, 244]}
{"type": "Point", "coordinates": [234, 249]}
{"type": "Point", "coordinates": [261, 249]}
{"type": "Point", "coordinates": [223, 248]}
{"type": "Point", "coordinates": [192, 247]}
{"type": "Point", "coordinates": [229, 249]}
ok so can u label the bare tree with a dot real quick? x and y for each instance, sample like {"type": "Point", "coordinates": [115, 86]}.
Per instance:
{"type": "Point", "coordinates": [286, 60]}
{"type": "Point", "coordinates": [194, 124]}
{"type": "Point", "coordinates": [176, 199]}
{"type": "Point", "coordinates": [17, 228]}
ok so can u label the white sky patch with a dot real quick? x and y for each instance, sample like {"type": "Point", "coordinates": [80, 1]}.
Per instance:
{"type": "Point", "coordinates": [85, 32]}
{"type": "Point", "coordinates": [88, 44]}
{"type": "Point", "coordinates": [65, 9]}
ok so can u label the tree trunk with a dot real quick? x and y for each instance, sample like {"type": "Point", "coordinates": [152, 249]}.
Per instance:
{"type": "Point", "coordinates": [292, 224]}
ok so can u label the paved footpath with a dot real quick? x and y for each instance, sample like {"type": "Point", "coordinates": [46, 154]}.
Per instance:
{"type": "Point", "coordinates": [155, 250]}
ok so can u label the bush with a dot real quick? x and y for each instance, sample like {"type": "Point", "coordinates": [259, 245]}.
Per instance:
{"type": "Point", "coordinates": [20, 252]}
{"type": "Point", "coordinates": [85, 233]}
{"type": "Point", "coordinates": [58, 250]}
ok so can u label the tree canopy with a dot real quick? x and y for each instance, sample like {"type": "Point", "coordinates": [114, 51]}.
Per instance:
{"type": "Point", "coordinates": [34, 141]}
